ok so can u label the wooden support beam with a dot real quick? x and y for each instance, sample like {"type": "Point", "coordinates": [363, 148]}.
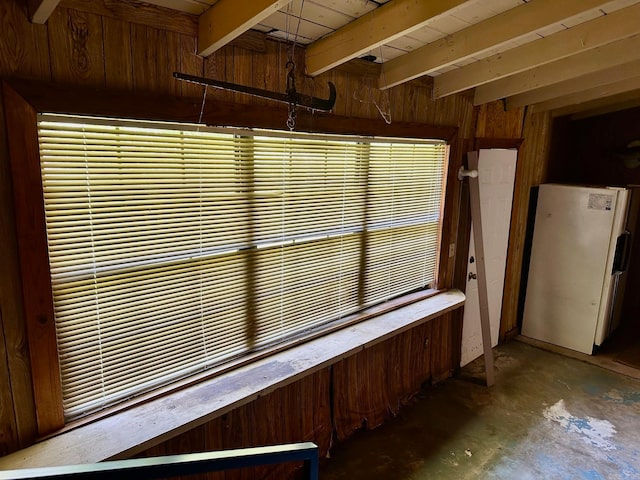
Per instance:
{"type": "Point", "coordinates": [600, 106]}
{"type": "Point", "coordinates": [601, 58]}
{"type": "Point", "coordinates": [481, 271]}
{"type": "Point", "coordinates": [382, 25]}
{"type": "Point", "coordinates": [612, 108]}
{"type": "Point", "coordinates": [473, 40]}
{"type": "Point", "coordinates": [227, 19]}
{"type": "Point", "coordinates": [581, 38]}
{"type": "Point", "coordinates": [568, 87]}
{"type": "Point", "coordinates": [588, 95]}
{"type": "Point", "coordinates": [41, 10]}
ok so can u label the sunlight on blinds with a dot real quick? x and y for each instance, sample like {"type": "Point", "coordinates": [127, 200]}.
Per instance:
{"type": "Point", "coordinates": [175, 248]}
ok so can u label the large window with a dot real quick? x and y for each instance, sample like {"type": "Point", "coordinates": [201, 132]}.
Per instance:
{"type": "Point", "coordinates": [175, 248]}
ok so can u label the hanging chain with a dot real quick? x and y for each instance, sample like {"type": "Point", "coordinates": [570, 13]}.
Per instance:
{"type": "Point", "coordinates": [291, 93]}
{"type": "Point", "coordinates": [291, 76]}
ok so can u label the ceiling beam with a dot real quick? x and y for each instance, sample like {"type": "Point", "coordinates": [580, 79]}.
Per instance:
{"type": "Point", "coordinates": [601, 58]}
{"type": "Point", "coordinates": [41, 10]}
{"type": "Point", "coordinates": [227, 19]}
{"type": "Point", "coordinates": [602, 105]}
{"type": "Point", "coordinates": [473, 40]}
{"type": "Point", "coordinates": [568, 87]}
{"type": "Point", "coordinates": [588, 95]}
{"type": "Point", "coordinates": [582, 37]}
{"type": "Point", "coordinates": [382, 25]}
{"type": "Point", "coordinates": [609, 108]}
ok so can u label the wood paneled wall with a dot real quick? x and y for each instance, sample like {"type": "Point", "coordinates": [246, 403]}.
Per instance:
{"type": "Point", "coordinates": [123, 46]}
{"type": "Point", "coordinates": [531, 170]}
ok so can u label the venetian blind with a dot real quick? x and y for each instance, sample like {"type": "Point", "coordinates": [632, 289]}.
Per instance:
{"type": "Point", "coordinates": [175, 248]}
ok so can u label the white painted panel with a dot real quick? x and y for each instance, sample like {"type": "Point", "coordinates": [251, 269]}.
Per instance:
{"type": "Point", "coordinates": [496, 176]}
{"type": "Point", "coordinates": [406, 44]}
{"type": "Point", "coordinates": [448, 24]}
{"type": "Point", "coordinates": [351, 8]}
{"type": "Point", "coordinates": [318, 13]}
{"type": "Point", "coordinates": [617, 5]}
{"type": "Point", "coordinates": [308, 30]}
{"type": "Point", "coordinates": [583, 17]}
{"type": "Point", "coordinates": [427, 34]}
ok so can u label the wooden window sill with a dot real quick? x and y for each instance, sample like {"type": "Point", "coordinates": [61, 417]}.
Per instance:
{"type": "Point", "coordinates": [144, 425]}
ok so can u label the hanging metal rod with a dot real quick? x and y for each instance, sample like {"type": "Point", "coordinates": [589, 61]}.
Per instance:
{"type": "Point", "coordinates": [298, 99]}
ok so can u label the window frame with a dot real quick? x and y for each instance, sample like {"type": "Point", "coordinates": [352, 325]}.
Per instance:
{"type": "Point", "coordinates": [24, 100]}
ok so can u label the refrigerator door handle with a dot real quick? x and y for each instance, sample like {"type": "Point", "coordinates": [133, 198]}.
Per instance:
{"type": "Point", "coordinates": [622, 254]}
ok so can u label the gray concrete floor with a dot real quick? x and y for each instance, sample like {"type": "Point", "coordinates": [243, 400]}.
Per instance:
{"type": "Point", "coordinates": [547, 417]}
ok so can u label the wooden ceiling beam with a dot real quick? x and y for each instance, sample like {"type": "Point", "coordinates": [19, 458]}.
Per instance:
{"type": "Point", "coordinates": [583, 37]}
{"type": "Point", "coordinates": [41, 10]}
{"type": "Point", "coordinates": [507, 26]}
{"type": "Point", "coordinates": [601, 58]}
{"type": "Point", "coordinates": [601, 105]}
{"type": "Point", "coordinates": [609, 108]}
{"type": "Point", "coordinates": [228, 19]}
{"type": "Point", "coordinates": [382, 25]}
{"type": "Point", "coordinates": [596, 93]}
{"type": "Point", "coordinates": [580, 84]}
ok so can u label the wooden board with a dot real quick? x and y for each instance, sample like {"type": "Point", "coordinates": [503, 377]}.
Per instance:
{"type": "Point", "coordinates": [23, 46]}
{"type": "Point", "coordinates": [118, 64]}
{"type": "Point", "coordinates": [19, 425]}
{"type": "Point", "coordinates": [77, 55]}
{"type": "Point", "coordinates": [483, 293]}
{"type": "Point", "coordinates": [34, 261]}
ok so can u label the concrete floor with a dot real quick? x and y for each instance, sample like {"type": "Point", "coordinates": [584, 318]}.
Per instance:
{"type": "Point", "coordinates": [547, 417]}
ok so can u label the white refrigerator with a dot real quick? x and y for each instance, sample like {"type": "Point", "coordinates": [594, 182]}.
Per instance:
{"type": "Point", "coordinates": [580, 253]}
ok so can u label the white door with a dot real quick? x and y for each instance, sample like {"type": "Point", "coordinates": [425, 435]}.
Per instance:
{"type": "Point", "coordinates": [496, 176]}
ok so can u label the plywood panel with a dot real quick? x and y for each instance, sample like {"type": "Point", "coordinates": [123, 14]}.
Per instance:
{"type": "Point", "coordinates": [23, 45]}
{"type": "Point", "coordinates": [496, 122]}
{"type": "Point", "coordinates": [155, 56]}
{"type": "Point", "coordinates": [296, 413]}
{"type": "Point", "coordinates": [192, 64]}
{"type": "Point", "coordinates": [533, 158]}
{"type": "Point", "coordinates": [362, 397]}
{"type": "Point", "coordinates": [118, 65]}
{"type": "Point", "coordinates": [215, 67]}
{"type": "Point", "coordinates": [77, 56]}
{"type": "Point", "coordinates": [138, 12]}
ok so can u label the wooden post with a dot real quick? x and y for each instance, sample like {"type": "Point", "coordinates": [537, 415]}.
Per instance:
{"type": "Point", "coordinates": [476, 219]}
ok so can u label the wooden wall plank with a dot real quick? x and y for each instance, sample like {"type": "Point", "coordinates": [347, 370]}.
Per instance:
{"type": "Point", "coordinates": [362, 398]}
{"type": "Point", "coordinates": [266, 70]}
{"type": "Point", "coordinates": [138, 12]}
{"type": "Point", "coordinates": [243, 73]}
{"type": "Point", "coordinates": [215, 67]}
{"type": "Point", "coordinates": [496, 122]}
{"type": "Point", "coordinates": [75, 40]}
{"type": "Point", "coordinates": [155, 58]}
{"type": "Point", "coordinates": [23, 45]}
{"type": "Point", "coordinates": [533, 160]}
{"type": "Point", "coordinates": [8, 429]}
{"type": "Point", "coordinates": [191, 64]}
{"type": "Point", "coordinates": [443, 362]}
{"type": "Point", "coordinates": [296, 413]}
{"type": "Point", "coordinates": [118, 64]}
